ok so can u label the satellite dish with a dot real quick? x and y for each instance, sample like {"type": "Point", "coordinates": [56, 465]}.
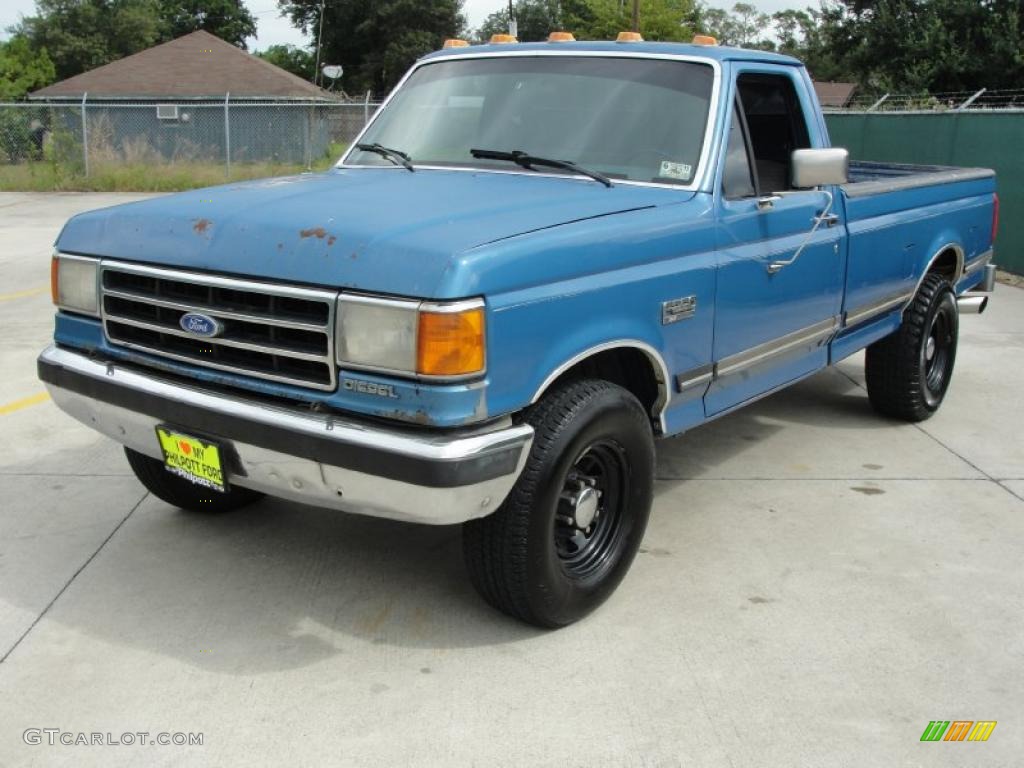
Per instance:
{"type": "Point", "coordinates": [332, 71]}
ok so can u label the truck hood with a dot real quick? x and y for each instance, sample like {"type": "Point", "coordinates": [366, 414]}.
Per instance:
{"type": "Point", "coordinates": [380, 230]}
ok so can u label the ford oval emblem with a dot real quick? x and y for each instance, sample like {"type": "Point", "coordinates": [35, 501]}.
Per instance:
{"type": "Point", "coordinates": [201, 325]}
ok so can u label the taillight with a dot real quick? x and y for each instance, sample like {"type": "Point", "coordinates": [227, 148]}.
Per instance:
{"type": "Point", "coordinates": [995, 216]}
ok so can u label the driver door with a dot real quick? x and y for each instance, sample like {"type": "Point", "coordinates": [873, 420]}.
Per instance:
{"type": "Point", "coordinates": [772, 324]}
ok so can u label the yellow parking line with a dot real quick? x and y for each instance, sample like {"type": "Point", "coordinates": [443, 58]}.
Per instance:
{"type": "Point", "coordinates": [25, 402]}
{"type": "Point", "coordinates": [24, 294]}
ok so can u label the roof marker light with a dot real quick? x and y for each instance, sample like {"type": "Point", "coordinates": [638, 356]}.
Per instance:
{"type": "Point", "coordinates": [704, 40]}
{"type": "Point", "coordinates": [561, 37]}
{"type": "Point", "coordinates": [503, 39]}
{"type": "Point", "coordinates": [456, 43]}
{"type": "Point", "coordinates": [629, 37]}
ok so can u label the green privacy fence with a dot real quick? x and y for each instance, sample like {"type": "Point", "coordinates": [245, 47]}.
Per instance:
{"type": "Point", "coordinates": [988, 139]}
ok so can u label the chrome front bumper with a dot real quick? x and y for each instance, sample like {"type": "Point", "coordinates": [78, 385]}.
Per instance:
{"type": "Point", "coordinates": [436, 477]}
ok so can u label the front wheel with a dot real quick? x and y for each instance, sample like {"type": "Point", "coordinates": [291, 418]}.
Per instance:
{"type": "Point", "coordinates": [181, 493]}
{"type": "Point", "coordinates": [567, 533]}
{"type": "Point", "coordinates": [909, 371]}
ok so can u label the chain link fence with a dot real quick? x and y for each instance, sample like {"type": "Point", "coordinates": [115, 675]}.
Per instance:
{"type": "Point", "coordinates": [953, 101]}
{"type": "Point", "coordinates": [241, 137]}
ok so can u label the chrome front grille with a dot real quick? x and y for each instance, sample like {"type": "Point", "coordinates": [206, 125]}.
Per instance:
{"type": "Point", "coordinates": [276, 332]}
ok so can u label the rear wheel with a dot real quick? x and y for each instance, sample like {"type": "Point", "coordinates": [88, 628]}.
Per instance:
{"type": "Point", "coordinates": [181, 493]}
{"type": "Point", "coordinates": [908, 373]}
{"type": "Point", "coordinates": [569, 530]}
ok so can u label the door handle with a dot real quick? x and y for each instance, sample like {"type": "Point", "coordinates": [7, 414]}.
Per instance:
{"type": "Point", "coordinates": [825, 216]}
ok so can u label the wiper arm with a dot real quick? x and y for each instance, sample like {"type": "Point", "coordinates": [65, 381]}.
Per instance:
{"type": "Point", "coordinates": [396, 156]}
{"type": "Point", "coordinates": [526, 160]}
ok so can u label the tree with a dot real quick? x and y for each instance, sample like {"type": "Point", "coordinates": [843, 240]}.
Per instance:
{"type": "Point", "coordinates": [536, 19]}
{"type": "Point", "coordinates": [298, 61]}
{"type": "Point", "coordinates": [751, 25]}
{"type": "Point", "coordinates": [939, 45]}
{"type": "Point", "coordinates": [792, 29]}
{"type": "Point", "coordinates": [227, 19]}
{"type": "Point", "coordinates": [80, 35]}
{"type": "Point", "coordinates": [742, 26]}
{"type": "Point", "coordinates": [376, 42]}
{"type": "Point", "coordinates": [718, 23]}
{"type": "Point", "coordinates": [827, 41]}
{"type": "Point", "coordinates": [659, 19]}
{"type": "Point", "coordinates": [594, 19]}
{"type": "Point", "coordinates": [23, 69]}
{"type": "Point", "coordinates": [918, 46]}
{"type": "Point", "coordinates": [821, 38]}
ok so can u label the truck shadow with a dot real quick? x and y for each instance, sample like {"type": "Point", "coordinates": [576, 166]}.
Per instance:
{"type": "Point", "coordinates": [281, 585]}
{"type": "Point", "coordinates": [826, 402]}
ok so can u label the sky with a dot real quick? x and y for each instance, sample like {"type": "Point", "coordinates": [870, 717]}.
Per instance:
{"type": "Point", "coordinates": [274, 30]}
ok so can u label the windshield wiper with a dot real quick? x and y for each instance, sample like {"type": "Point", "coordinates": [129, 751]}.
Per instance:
{"type": "Point", "coordinates": [526, 160]}
{"type": "Point", "coordinates": [396, 156]}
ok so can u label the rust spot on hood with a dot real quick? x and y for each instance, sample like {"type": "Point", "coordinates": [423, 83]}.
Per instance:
{"type": "Point", "coordinates": [201, 225]}
{"type": "Point", "coordinates": [318, 232]}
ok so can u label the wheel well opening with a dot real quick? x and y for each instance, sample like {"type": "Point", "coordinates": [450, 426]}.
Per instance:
{"type": "Point", "coordinates": [628, 367]}
{"type": "Point", "coordinates": [946, 264]}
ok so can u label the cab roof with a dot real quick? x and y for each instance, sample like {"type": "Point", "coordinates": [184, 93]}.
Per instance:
{"type": "Point", "coordinates": [716, 52]}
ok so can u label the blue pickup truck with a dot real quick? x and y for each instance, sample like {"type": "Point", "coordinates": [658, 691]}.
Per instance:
{"type": "Point", "coordinates": [534, 261]}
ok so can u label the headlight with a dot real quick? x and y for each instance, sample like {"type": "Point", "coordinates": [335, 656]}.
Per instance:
{"type": "Point", "coordinates": [74, 283]}
{"type": "Point", "coordinates": [411, 338]}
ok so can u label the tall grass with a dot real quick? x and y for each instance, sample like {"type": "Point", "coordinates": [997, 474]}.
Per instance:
{"type": "Point", "coordinates": [135, 174]}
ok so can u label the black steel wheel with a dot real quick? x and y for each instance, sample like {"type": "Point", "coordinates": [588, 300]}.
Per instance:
{"type": "Point", "coordinates": [590, 509]}
{"type": "Point", "coordinates": [567, 533]}
{"type": "Point", "coordinates": [908, 373]}
{"type": "Point", "coordinates": [937, 352]}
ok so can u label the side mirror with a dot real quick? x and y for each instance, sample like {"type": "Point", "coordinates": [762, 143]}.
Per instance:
{"type": "Point", "coordinates": [819, 167]}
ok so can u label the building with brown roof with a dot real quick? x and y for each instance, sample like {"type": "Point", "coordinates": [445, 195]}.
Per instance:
{"type": "Point", "coordinates": [195, 66]}
{"type": "Point", "coordinates": [195, 98]}
{"type": "Point", "coordinates": [835, 95]}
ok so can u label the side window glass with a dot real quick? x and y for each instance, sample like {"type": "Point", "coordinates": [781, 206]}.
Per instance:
{"type": "Point", "coordinates": [737, 181]}
{"type": "Point", "coordinates": [777, 126]}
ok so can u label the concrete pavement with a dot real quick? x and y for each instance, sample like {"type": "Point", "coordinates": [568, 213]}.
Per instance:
{"type": "Point", "coordinates": [816, 585]}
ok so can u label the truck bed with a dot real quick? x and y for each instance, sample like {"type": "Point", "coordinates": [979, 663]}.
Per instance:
{"type": "Point", "coordinates": [871, 178]}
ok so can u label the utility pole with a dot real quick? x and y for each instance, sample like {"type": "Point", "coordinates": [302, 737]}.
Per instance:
{"type": "Point", "coordinates": [319, 37]}
{"type": "Point", "coordinates": [636, 15]}
{"type": "Point", "coordinates": [513, 28]}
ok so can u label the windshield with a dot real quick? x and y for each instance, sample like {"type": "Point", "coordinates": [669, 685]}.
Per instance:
{"type": "Point", "coordinates": [627, 118]}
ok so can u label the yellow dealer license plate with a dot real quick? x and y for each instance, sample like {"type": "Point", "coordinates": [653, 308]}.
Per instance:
{"type": "Point", "coordinates": [191, 458]}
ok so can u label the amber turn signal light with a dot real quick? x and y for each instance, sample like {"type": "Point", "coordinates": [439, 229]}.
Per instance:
{"type": "Point", "coordinates": [704, 40]}
{"type": "Point", "coordinates": [450, 343]}
{"type": "Point", "coordinates": [561, 37]}
{"type": "Point", "coordinates": [629, 37]}
{"type": "Point", "coordinates": [54, 286]}
{"type": "Point", "coordinates": [502, 39]}
{"type": "Point", "coordinates": [456, 43]}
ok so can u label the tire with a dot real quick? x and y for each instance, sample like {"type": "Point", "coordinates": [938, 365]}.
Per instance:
{"type": "Point", "coordinates": [181, 493]}
{"type": "Point", "coordinates": [908, 372]}
{"type": "Point", "coordinates": [592, 461]}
